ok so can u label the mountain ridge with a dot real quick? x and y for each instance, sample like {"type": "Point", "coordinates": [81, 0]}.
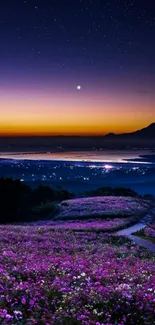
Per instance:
{"type": "Point", "coordinates": [147, 131]}
{"type": "Point", "coordinates": [143, 138]}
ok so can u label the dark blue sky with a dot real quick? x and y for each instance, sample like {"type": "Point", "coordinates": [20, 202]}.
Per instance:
{"type": "Point", "coordinates": [93, 33]}
{"type": "Point", "coordinates": [106, 46]}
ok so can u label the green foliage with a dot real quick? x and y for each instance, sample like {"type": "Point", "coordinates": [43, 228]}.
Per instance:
{"type": "Point", "coordinates": [44, 194]}
{"type": "Point", "coordinates": [148, 197]}
{"type": "Point", "coordinates": [14, 197]}
{"type": "Point", "coordinates": [140, 233]}
{"type": "Point", "coordinates": [44, 210]}
{"type": "Point", "coordinates": [18, 202]}
{"type": "Point", "coordinates": [108, 191]}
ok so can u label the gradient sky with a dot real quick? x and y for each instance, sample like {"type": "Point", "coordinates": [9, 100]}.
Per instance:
{"type": "Point", "coordinates": [48, 47]}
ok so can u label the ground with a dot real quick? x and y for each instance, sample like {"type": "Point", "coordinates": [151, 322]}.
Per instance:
{"type": "Point", "coordinates": [148, 232]}
{"type": "Point", "coordinates": [64, 273]}
{"type": "Point", "coordinates": [105, 206]}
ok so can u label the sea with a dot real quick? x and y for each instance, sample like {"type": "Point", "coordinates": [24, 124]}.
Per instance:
{"type": "Point", "coordinates": [81, 171]}
{"type": "Point", "coordinates": [112, 156]}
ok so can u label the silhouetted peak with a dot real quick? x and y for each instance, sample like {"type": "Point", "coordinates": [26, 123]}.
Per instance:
{"type": "Point", "coordinates": [152, 125]}
{"type": "Point", "coordinates": [110, 135]}
{"type": "Point", "coordinates": [148, 131]}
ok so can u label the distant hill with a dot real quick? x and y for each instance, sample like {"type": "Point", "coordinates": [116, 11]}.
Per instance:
{"type": "Point", "coordinates": [147, 132]}
{"type": "Point", "coordinates": [140, 138]}
{"type": "Point", "coordinates": [143, 138]}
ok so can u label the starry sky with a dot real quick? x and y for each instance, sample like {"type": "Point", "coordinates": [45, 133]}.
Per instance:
{"type": "Point", "coordinates": [83, 67]}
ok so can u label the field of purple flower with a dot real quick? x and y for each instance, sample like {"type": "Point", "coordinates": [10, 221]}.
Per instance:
{"type": "Point", "coordinates": [63, 277]}
{"type": "Point", "coordinates": [150, 230]}
{"type": "Point", "coordinates": [90, 224]}
{"type": "Point", "coordinates": [102, 207]}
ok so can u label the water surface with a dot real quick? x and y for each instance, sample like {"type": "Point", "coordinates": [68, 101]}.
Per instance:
{"type": "Point", "coordinates": [88, 156]}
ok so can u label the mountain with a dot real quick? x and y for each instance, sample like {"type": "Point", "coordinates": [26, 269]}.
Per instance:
{"type": "Point", "coordinates": [147, 132]}
{"type": "Point", "coordinates": [143, 138]}
{"type": "Point", "coordinates": [110, 135]}
{"type": "Point", "coordinates": [140, 138]}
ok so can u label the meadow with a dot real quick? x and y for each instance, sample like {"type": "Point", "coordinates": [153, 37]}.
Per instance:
{"type": "Point", "coordinates": [150, 230]}
{"type": "Point", "coordinates": [102, 206]}
{"type": "Point", "coordinates": [62, 277]}
{"type": "Point", "coordinates": [72, 268]}
{"type": "Point", "coordinates": [97, 225]}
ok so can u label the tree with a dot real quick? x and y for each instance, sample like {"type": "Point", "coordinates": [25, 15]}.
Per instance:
{"type": "Point", "coordinates": [14, 199]}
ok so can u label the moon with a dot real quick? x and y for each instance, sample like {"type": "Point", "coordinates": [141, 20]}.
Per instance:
{"type": "Point", "coordinates": [78, 87]}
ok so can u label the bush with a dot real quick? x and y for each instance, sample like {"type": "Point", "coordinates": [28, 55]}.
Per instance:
{"type": "Point", "coordinates": [148, 197]}
{"type": "Point", "coordinates": [44, 194]}
{"type": "Point", "coordinates": [18, 200]}
{"type": "Point", "coordinates": [14, 199]}
{"type": "Point", "coordinates": [108, 191]}
{"type": "Point", "coordinates": [43, 211]}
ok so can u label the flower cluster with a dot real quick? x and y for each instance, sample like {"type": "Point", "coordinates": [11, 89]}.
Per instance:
{"type": "Point", "coordinates": [150, 230]}
{"type": "Point", "coordinates": [102, 206]}
{"type": "Point", "coordinates": [63, 277]}
{"type": "Point", "coordinates": [109, 225]}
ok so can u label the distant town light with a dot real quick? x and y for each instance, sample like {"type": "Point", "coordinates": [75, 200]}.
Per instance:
{"type": "Point", "coordinates": [107, 166]}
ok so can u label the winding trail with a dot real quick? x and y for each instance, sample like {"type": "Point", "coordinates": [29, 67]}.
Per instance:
{"type": "Point", "coordinates": [140, 225]}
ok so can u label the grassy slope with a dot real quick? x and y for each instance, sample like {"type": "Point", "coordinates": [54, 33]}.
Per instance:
{"type": "Point", "coordinates": [102, 207]}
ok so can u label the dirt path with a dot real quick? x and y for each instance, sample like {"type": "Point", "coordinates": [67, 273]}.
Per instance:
{"type": "Point", "coordinates": [140, 225]}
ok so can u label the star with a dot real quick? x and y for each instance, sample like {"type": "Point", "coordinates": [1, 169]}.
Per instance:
{"type": "Point", "coordinates": [78, 87]}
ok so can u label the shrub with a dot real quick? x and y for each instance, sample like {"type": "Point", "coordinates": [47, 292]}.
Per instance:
{"type": "Point", "coordinates": [14, 199]}
{"type": "Point", "coordinates": [43, 211]}
{"type": "Point", "coordinates": [18, 200]}
{"type": "Point", "coordinates": [108, 191]}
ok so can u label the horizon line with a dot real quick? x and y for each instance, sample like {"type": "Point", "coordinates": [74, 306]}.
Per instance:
{"type": "Point", "coordinates": [44, 135]}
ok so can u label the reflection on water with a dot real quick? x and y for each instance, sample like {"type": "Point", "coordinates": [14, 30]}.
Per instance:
{"type": "Point", "coordinates": [94, 156]}
{"type": "Point", "coordinates": [81, 171]}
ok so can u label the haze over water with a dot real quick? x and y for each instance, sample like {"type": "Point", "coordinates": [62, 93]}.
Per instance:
{"type": "Point", "coordinates": [114, 156]}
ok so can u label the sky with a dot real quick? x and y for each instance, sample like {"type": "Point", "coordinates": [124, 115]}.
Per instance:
{"type": "Point", "coordinates": [76, 67]}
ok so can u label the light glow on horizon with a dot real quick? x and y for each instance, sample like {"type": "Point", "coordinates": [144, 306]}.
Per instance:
{"type": "Point", "coordinates": [39, 112]}
{"type": "Point", "coordinates": [57, 79]}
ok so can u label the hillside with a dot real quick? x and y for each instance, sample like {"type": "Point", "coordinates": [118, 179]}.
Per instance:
{"type": "Point", "coordinates": [147, 132]}
{"type": "Point", "coordinates": [103, 207]}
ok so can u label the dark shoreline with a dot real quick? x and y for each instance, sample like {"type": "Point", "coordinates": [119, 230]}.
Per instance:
{"type": "Point", "coordinates": [141, 179]}
{"type": "Point", "coordinates": [143, 158]}
{"type": "Point", "coordinates": [126, 163]}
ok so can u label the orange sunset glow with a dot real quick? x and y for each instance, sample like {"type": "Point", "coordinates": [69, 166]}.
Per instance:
{"type": "Point", "coordinates": [73, 114]}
